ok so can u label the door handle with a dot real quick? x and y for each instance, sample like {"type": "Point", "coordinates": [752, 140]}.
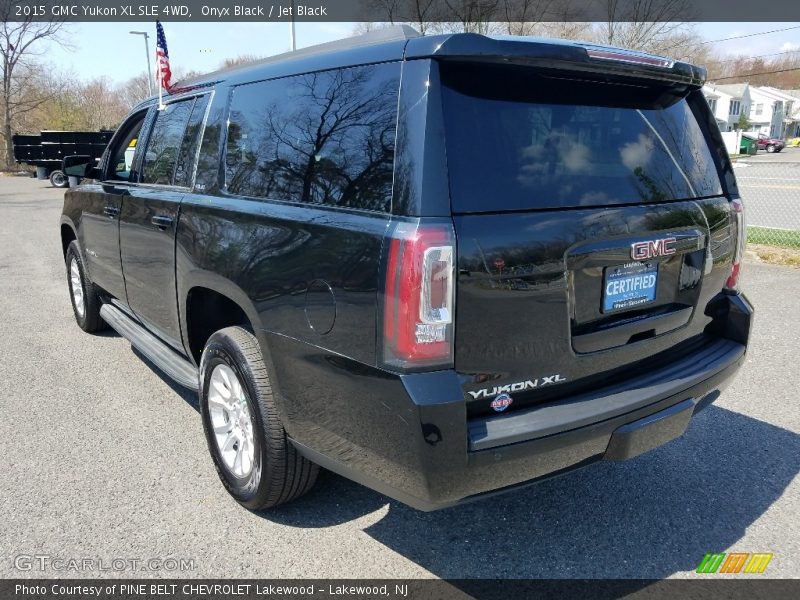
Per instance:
{"type": "Point", "coordinates": [111, 211]}
{"type": "Point", "coordinates": [161, 221]}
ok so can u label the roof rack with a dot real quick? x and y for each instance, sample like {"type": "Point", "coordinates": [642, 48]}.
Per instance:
{"type": "Point", "coordinates": [377, 36]}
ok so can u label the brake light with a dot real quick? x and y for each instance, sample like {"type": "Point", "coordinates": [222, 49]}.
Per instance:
{"type": "Point", "coordinates": [419, 296]}
{"type": "Point", "coordinates": [732, 284]}
{"type": "Point", "coordinates": [627, 57]}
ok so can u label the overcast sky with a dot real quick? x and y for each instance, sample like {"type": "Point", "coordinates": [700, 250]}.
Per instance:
{"type": "Point", "coordinates": [107, 49]}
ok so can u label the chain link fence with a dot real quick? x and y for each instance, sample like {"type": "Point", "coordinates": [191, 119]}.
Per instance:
{"type": "Point", "coordinates": [770, 187]}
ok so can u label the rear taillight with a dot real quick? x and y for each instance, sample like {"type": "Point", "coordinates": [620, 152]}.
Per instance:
{"type": "Point", "coordinates": [419, 300]}
{"type": "Point", "coordinates": [732, 284]}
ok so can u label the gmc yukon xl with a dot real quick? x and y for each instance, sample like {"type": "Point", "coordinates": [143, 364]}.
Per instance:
{"type": "Point", "coordinates": [440, 266]}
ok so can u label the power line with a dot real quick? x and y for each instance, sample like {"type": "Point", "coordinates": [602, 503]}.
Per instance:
{"type": "Point", "coordinates": [745, 75]}
{"type": "Point", "coordinates": [736, 37]}
{"type": "Point", "coordinates": [727, 60]}
{"type": "Point", "coordinates": [747, 35]}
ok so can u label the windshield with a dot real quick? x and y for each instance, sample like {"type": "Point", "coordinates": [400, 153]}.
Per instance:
{"type": "Point", "coordinates": [517, 140]}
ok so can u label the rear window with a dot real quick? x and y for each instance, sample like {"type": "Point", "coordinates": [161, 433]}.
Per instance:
{"type": "Point", "coordinates": [517, 140]}
{"type": "Point", "coordinates": [321, 138]}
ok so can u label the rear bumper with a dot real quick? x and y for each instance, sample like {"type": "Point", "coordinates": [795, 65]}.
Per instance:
{"type": "Point", "coordinates": [447, 459]}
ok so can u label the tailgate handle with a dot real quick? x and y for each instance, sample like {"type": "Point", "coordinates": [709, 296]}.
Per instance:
{"type": "Point", "coordinates": [642, 329]}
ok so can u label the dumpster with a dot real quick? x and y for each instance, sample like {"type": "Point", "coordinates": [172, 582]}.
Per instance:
{"type": "Point", "coordinates": [748, 145]}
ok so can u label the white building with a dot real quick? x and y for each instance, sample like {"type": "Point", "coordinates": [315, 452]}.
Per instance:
{"type": "Point", "coordinates": [728, 102]}
{"type": "Point", "coordinates": [787, 105]}
{"type": "Point", "coordinates": [768, 110]}
{"type": "Point", "coordinates": [793, 127]}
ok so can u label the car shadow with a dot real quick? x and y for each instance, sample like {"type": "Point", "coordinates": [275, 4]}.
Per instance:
{"type": "Point", "coordinates": [646, 518]}
{"type": "Point", "coordinates": [188, 396]}
{"type": "Point", "coordinates": [649, 517]}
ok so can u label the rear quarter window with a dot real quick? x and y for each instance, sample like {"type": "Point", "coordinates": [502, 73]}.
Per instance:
{"type": "Point", "coordinates": [517, 140]}
{"type": "Point", "coordinates": [323, 138]}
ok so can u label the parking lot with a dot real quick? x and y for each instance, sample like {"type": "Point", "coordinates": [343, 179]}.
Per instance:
{"type": "Point", "coordinates": [103, 458]}
{"type": "Point", "coordinates": [770, 186]}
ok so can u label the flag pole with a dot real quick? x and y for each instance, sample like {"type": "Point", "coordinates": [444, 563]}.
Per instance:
{"type": "Point", "coordinates": [162, 64]}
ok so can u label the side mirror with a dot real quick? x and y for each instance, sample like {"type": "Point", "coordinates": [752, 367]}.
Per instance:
{"type": "Point", "coordinates": [81, 166]}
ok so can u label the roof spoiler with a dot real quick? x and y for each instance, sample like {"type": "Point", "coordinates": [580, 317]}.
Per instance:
{"type": "Point", "coordinates": [556, 54]}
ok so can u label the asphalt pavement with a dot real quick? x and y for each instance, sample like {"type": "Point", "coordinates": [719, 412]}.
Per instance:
{"type": "Point", "coordinates": [101, 458]}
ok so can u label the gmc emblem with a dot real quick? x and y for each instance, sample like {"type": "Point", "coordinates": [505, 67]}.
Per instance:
{"type": "Point", "coordinates": [652, 248]}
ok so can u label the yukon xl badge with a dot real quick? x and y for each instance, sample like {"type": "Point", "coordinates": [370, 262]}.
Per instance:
{"type": "Point", "coordinates": [653, 248]}
{"type": "Point", "coordinates": [519, 386]}
{"type": "Point", "coordinates": [502, 402]}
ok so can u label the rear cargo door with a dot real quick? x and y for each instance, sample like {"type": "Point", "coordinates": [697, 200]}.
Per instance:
{"type": "Point", "coordinates": [591, 230]}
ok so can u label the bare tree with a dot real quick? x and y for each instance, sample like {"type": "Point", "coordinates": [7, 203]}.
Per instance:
{"type": "Point", "coordinates": [134, 90]}
{"type": "Point", "coordinates": [107, 106]}
{"type": "Point", "coordinates": [472, 16]}
{"type": "Point", "coordinates": [645, 24]}
{"type": "Point", "coordinates": [420, 14]}
{"type": "Point", "coordinates": [242, 59]}
{"type": "Point", "coordinates": [18, 40]}
{"type": "Point", "coordinates": [521, 17]}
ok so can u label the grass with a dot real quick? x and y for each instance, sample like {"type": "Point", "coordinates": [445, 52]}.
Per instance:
{"type": "Point", "coordinates": [783, 238]}
{"type": "Point", "coordinates": [775, 255]}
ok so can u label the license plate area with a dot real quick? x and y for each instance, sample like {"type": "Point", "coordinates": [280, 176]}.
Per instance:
{"type": "Point", "coordinates": [629, 286]}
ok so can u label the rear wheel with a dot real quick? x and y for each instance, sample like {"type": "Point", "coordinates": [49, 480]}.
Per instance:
{"type": "Point", "coordinates": [58, 179]}
{"type": "Point", "coordinates": [83, 293]}
{"type": "Point", "coordinates": [252, 454]}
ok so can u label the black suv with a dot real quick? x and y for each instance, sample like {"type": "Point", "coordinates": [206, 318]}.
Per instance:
{"type": "Point", "coordinates": [440, 266]}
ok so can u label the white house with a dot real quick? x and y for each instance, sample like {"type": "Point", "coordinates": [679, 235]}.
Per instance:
{"type": "Point", "coordinates": [767, 110]}
{"type": "Point", "coordinates": [793, 127]}
{"type": "Point", "coordinates": [789, 125]}
{"type": "Point", "coordinates": [728, 102]}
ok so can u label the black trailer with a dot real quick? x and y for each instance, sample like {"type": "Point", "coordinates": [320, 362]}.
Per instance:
{"type": "Point", "coordinates": [47, 150]}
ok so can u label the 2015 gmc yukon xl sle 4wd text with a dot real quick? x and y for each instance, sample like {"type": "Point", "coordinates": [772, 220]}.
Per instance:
{"type": "Point", "coordinates": [440, 266]}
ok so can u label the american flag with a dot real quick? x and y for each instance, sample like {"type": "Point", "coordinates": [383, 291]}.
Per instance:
{"type": "Point", "coordinates": [163, 73]}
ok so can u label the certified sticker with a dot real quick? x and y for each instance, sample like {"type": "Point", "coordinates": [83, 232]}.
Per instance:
{"type": "Point", "coordinates": [502, 402]}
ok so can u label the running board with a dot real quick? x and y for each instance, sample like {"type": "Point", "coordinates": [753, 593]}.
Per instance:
{"type": "Point", "coordinates": [170, 362]}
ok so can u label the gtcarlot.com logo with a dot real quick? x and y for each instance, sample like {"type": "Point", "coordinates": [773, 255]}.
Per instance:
{"type": "Point", "coordinates": [734, 562]}
{"type": "Point", "coordinates": [47, 562]}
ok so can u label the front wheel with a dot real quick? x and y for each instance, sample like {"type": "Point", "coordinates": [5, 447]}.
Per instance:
{"type": "Point", "coordinates": [770, 148]}
{"type": "Point", "coordinates": [252, 454]}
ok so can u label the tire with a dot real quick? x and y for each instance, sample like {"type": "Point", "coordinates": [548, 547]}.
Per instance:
{"type": "Point", "coordinates": [770, 148]}
{"type": "Point", "coordinates": [273, 472]}
{"type": "Point", "coordinates": [86, 304]}
{"type": "Point", "coordinates": [58, 179]}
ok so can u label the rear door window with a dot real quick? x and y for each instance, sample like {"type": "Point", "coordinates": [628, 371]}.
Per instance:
{"type": "Point", "coordinates": [323, 138]}
{"type": "Point", "coordinates": [517, 140]}
{"type": "Point", "coordinates": [187, 155]}
{"type": "Point", "coordinates": [164, 144]}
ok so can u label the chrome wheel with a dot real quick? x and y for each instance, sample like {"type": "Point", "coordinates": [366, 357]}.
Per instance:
{"type": "Point", "coordinates": [231, 421]}
{"type": "Point", "coordinates": [77, 287]}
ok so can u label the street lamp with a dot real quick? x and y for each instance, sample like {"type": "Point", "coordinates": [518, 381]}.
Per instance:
{"type": "Point", "coordinates": [147, 51]}
{"type": "Point", "coordinates": [292, 34]}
